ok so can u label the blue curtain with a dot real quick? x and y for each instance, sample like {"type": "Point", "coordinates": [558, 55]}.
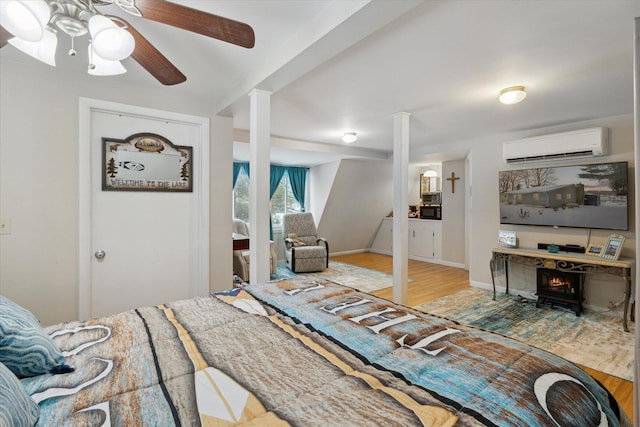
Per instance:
{"type": "Point", "coordinates": [236, 173]}
{"type": "Point", "coordinates": [276, 174]}
{"type": "Point", "coordinates": [237, 167]}
{"type": "Point", "coordinates": [298, 180]}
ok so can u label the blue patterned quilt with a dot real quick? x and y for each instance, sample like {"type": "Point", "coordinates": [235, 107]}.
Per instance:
{"type": "Point", "coordinates": [307, 353]}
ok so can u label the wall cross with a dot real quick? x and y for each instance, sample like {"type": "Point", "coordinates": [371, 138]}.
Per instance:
{"type": "Point", "coordinates": [453, 180]}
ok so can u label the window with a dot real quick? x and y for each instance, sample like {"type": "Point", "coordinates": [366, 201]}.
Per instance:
{"type": "Point", "coordinates": [241, 197]}
{"type": "Point", "coordinates": [282, 201]}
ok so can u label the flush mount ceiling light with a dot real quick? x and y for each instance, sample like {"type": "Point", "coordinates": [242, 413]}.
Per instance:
{"type": "Point", "coordinates": [349, 137]}
{"type": "Point", "coordinates": [512, 95]}
{"type": "Point", "coordinates": [35, 24]}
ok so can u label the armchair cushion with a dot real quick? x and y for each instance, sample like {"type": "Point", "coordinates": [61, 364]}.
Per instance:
{"type": "Point", "coordinates": [305, 252]}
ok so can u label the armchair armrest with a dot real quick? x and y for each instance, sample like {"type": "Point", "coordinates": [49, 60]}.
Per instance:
{"type": "Point", "coordinates": [288, 243]}
{"type": "Point", "coordinates": [322, 241]}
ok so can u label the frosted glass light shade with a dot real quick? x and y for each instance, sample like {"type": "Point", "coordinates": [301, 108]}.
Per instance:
{"type": "Point", "coordinates": [110, 41]}
{"type": "Point", "coordinates": [43, 50]}
{"type": "Point", "coordinates": [102, 67]}
{"type": "Point", "coordinates": [25, 19]}
{"type": "Point", "coordinates": [512, 95]}
{"type": "Point", "coordinates": [349, 137]}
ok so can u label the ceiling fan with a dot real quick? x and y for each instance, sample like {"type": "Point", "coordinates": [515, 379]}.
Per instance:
{"type": "Point", "coordinates": [80, 17]}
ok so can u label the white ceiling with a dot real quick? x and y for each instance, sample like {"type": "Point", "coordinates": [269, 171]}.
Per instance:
{"type": "Point", "coordinates": [335, 66]}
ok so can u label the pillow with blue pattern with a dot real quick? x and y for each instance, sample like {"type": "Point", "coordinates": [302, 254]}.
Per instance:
{"type": "Point", "coordinates": [25, 348]}
{"type": "Point", "coordinates": [16, 406]}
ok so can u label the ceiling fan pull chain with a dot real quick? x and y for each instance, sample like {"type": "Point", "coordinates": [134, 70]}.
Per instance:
{"type": "Point", "coordinates": [91, 65]}
{"type": "Point", "coordinates": [72, 51]}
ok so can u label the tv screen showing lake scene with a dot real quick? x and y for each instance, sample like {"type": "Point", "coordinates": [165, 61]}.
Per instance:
{"type": "Point", "coordinates": [585, 196]}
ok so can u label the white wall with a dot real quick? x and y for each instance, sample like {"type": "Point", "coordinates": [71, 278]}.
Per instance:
{"type": "Point", "coordinates": [361, 195]}
{"type": "Point", "coordinates": [320, 182]}
{"type": "Point", "coordinates": [453, 212]}
{"type": "Point", "coordinates": [39, 179]}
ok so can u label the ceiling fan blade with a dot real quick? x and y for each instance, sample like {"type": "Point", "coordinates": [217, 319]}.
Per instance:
{"type": "Point", "coordinates": [154, 61]}
{"type": "Point", "coordinates": [4, 36]}
{"type": "Point", "coordinates": [197, 21]}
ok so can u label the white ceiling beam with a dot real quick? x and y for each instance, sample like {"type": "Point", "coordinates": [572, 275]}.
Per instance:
{"type": "Point", "coordinates": [241, 135]}
{"type": "Point", "coordinates": [340, 25]}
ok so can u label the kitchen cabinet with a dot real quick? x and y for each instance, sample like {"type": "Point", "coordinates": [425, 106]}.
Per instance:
{"type": "Point", "coordinates": [425, 239]}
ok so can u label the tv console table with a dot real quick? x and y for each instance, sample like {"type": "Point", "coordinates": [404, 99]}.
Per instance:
{"type": "Point", "coordinates": [567, 262]}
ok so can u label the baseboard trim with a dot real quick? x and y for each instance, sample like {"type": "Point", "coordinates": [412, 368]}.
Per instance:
{"type": "Point", "coordinates": [356, 251]}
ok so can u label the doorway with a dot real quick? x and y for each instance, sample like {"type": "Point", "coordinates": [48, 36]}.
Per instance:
{"type": "Point", "coordinates": [139, 248]}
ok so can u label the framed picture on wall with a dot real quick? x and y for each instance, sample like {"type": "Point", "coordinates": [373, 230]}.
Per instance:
{"type": "Point", "coordinates": [613, 247]}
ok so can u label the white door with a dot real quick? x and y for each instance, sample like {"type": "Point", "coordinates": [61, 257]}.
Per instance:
{"type": "Point", "coordinates": [145, 247]}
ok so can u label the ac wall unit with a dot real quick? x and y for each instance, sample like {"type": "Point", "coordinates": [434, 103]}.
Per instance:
{"type": "Point", "coordinates": [558, 146]}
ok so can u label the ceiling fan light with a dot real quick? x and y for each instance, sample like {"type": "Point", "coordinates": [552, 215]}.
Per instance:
{"type": "Point", "coordinates": [25, 19]}
{"type": "Point", "coordinates": [43, 50]}
{"type": "Point", "coordinates": [110, 41]}
{"type": "Point", "coordinates": [349, 137]}
{"type": "Point", "coordinates": [512, 95]}
{"type": "Point", "coordinates": [102, 67]}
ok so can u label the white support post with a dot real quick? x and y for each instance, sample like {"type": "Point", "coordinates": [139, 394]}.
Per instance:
{"type": "Point", "coordinates": [636, 118]}
{"type": "Point", "coordinates": [259, 165]}
{"type": "Point", "coordinates": [400, 207]}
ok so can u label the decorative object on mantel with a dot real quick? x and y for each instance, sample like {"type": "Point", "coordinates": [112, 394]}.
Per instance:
{"type": "Point", "coordinates": [32, 27]}
{"type": "Point", "coordinates": [146, 162]}
{"type": "Point", "coordinates": [594, 250]}
{"type": "Point", "coordinates": [453, 180]}
{"type": "Point", "coordinates": [553, 249]}
{"type": "Point", "coordinates": [613, 247]}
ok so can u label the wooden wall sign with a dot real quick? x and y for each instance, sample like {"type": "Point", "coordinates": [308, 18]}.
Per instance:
{"type": "Point", "coordinates": [146, 162]}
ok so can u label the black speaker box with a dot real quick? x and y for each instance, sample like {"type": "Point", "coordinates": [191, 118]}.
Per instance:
{"type": "Point", "coordinates": [564, 248]}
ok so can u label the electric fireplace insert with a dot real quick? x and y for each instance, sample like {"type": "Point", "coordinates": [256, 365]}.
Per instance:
{"type": "Point", "coordinates": [560, 288]}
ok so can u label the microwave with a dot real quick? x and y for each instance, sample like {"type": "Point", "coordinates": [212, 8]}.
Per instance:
{"type": "Point", "coordinates": [431, 212]}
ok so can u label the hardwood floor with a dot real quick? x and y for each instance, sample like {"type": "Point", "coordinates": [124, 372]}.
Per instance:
{"type": "Point", "coordinates": [432, 281]}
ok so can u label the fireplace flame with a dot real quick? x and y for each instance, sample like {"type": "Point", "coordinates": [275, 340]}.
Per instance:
{"type": "Point", "coordinates": [557, 282]}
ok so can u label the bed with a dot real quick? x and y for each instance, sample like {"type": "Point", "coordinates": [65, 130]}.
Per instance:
{"type": "Point", "coordinates": [306, 353]}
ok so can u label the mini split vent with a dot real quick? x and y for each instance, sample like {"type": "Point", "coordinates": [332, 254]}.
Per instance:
{"type": "Point", "coordinates": [566, 145]}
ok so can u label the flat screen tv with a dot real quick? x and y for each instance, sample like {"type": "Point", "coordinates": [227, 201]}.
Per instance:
{"type": "Point", "coordinates": [584, 196]}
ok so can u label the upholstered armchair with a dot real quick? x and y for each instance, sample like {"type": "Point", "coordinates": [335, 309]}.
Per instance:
{"type": "Point", "coordinates": [241, 259]}
{"type": "Point", "coordinates": [304, 250]}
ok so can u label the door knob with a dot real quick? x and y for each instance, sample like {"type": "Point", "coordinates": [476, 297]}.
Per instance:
{"type": "Point", "coordinates": [100, 254]}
